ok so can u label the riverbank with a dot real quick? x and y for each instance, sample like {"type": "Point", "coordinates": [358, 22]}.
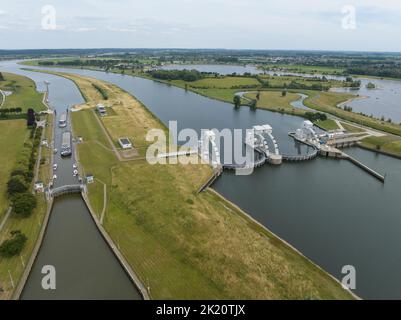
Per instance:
{"type": "Point", "coordinates": [174, 239]}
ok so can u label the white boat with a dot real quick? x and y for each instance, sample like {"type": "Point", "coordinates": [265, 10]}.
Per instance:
{"type": "Point", "coordinates": [75, 173]}
{"type": "Point", "coordinates": [74, 166]}
{"type": "Point", "coordinates": [54, 176]}
{"type": "Point", "coordinates": [55, 166]}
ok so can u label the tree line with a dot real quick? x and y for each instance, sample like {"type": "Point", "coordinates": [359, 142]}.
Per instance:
{"type": "Point", "coordinates": [185, 75]}
{"type": "Point", "coordinates": [22, 201]}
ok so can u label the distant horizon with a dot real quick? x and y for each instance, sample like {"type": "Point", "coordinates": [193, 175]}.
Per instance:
{"type": "Point", "coordinates": [195, 49]}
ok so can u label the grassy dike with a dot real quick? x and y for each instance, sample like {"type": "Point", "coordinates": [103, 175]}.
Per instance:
{"type": "Point", "coordinates": [183, 245]}
{"type": "Point", "coordinates": [13, 135]}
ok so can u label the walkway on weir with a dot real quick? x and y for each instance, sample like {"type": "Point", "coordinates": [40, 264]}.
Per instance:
{"type": "Point", "coordinates": [66, 189]}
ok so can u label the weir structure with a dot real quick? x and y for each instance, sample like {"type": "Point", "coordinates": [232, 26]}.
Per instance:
{"type": "Point", "coordinates": [258, 139]}
{"type": "Point", "coordinates": [327, 145]}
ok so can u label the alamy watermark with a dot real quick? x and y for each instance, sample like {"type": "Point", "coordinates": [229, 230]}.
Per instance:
{"type": "Point", "coordinates": [349, 280]}
{"type": "Point", "coordinates": [208, 145]}
{"type": "Point", "coordinates": [349, 19]}
{"type": "Point", "coordinates": [49, 279]}
{"type": "Point", "coordinates": [48, 21]}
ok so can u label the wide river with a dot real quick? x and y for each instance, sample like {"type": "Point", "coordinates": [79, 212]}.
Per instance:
{"type": "Point", "coordinates": [330, 210]}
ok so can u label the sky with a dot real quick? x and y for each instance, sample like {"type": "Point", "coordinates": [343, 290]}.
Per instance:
{"type": "Point", "coordinates": [344, 25]}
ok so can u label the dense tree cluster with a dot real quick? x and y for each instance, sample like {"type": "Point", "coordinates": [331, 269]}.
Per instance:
{"type": "Point", "coordinates": [22, 201]}
{"type": "Point", "coordinates": [186, 75]}
{"type": "Point", "coordinates": [13, 245]}
{"type": "Point", "coordinates": [377, 70]}
{"type": "Point", "coordinates": [31, 117]}
{"type": "Point", "coordinates": [11, 113]}
{"type": "Point", "coordinates": [315, 116]}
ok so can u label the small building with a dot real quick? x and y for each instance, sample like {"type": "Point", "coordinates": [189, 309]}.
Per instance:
{"type": "Point", "coordinates": [125, 143]}
{"type": "Point", "coordinates": [102, 110]}
{"type": "Point", "coordinates": [45, 143]}
{"type": "Point", "coordinates": [89, 178]}
{"type": "Point", "coordinates": [39, 187]}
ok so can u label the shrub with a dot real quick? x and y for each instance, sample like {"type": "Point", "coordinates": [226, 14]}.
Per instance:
{"type": "Point", "coordinates": [16, 184]}
{"type": "Point", "coordinates": [14, 245]}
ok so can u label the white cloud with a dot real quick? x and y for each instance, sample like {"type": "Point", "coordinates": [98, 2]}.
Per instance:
{"type": "Point", "coordinates": [262, 24]}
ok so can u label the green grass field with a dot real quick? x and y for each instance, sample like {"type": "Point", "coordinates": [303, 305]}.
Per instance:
{"type": "Point", "coordinates": [275, 101]}
{"type": "Point", "coordinates": [351, 128]}
{"type": "Point", "coordinates": [221, 82]}
{"type": "Point", "coordinates": [183, 244]}
{"type": "Point", "coordinates": [391, 145]}
{"type": "Point", "coordinates": [24, 94]}
{"type": "Point", "coordinates": [327, 124]}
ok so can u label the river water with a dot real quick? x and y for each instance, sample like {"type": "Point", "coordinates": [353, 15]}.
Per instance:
{"type": "Point", "coordinates": [332, 211]}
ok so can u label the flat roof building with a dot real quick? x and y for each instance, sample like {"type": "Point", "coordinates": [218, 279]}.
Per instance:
{"type": "Point", "coordinates": [101, 109]}
{"type": "Point", "coordinates": [125, 143]}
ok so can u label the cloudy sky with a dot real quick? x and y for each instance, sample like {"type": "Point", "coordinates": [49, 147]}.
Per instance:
{"type": "Point", "coordinates": [371, 25]}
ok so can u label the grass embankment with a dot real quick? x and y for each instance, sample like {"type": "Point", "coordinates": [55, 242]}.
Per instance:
{"type": "Point", "coordinates": [13, 135]}
{"type": "Point", "coordinates": [351, 128]}
{"type": "Point", "coordinates": [328, 101]}
{"type": "Point", "coordinates": [387, 144]}
{"type": "Point", "coordinates": [24, 94]}
{"type": "Point", "coordinates": [327, 124]}
{"type": "Point", "coordinates": [182, 244]}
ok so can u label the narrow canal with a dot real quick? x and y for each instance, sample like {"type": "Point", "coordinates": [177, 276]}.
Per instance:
{"type": "Point", "coordinates": [330, 210]}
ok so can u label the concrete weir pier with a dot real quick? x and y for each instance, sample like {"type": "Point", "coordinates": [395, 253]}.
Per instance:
{"type": "Point", "coordinates": [258, 140]}
{"type": "Point", "coordinates": [327, 146]}
{"type": "Point", "coordinates": [365, 167]}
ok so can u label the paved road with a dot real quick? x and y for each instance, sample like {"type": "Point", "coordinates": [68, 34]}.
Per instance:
{"type": "Point", "coordinates": [3, 222]}
{"type": "Point", "coordinates": [4, 98]}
